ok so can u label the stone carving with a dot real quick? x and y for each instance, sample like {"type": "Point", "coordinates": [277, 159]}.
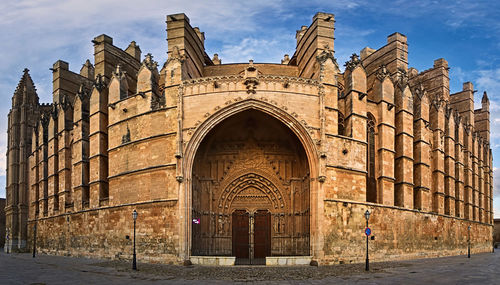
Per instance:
{"type": "Point", "coordinates": [216, 60]}
{"type": "Point", "coordinates": [251, 80]}
{"type": "Point", "coordinates": [353, 62]}
{"type": "Point", "coordinates": [100, 82]}
{"type": "Point", "coordinates": [382, 72]}
{"type": "Point", "coordinates": [175, 55]}
{"type": "Point", "coordinates": [400, 78]}
{"type": "Point", "coordinates": [122, 77]}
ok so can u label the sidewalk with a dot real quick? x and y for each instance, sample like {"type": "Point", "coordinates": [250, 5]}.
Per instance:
{"type": "Point", "coordinates": [44, 269]}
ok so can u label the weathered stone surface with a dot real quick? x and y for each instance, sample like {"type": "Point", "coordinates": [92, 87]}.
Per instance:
{"type": "Point", "coordinates": [225, 161]}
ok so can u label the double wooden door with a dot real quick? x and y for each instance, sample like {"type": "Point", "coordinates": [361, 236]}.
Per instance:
{"type": "Point", "coordinates": [242, 234]}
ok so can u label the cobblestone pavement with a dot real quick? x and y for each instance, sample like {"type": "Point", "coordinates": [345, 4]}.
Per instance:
{"type": "Point", "coordinates": [44, 269]}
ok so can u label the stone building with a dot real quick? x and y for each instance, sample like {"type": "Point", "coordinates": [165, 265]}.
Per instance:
{"type": "Point", "coordinates": [496, 233]}
{"type": "Point", "coordinates": [3, 234]}
{"type": "Point", "coordinates": [250, 160]}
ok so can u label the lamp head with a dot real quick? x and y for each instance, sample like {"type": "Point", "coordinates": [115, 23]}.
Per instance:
{"type": "Point", "coordinates": [367, 215]}
{"type": "Point", "coordinates": [134, 215]}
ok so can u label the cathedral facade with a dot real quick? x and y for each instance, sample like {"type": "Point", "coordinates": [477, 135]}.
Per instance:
{"type": "Point", "coordinates": [257, 161]}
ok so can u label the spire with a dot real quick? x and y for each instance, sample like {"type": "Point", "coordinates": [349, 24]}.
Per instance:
{"type": "Point", "coordinates": [25, 90]}
{"type": "Point", "coordinates": [25, 81]}
{"type": "Point", "coordinates": [485, 98]}
{"type": "Point", "coordinates": [485, 102]}
{"type": "Point", "coordinates": [87, 70]}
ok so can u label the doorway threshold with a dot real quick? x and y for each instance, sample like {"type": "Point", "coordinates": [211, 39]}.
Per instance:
{"type": "Point", "coordinates": [213, 260]}
{"type": "Point", "coordinates": [288, 260]}
{"type": "Point", "coordinates": [248, 261]}
{"type": "Point", "coordinates": [269, 260]}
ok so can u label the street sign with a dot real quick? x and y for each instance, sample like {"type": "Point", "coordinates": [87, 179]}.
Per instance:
{"type": "Point", "coordinates": [196, 221]}
{"type": "Point", "coordinates": [368, 231]}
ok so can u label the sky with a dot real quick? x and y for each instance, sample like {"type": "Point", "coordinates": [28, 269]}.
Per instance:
{"type": "Point", "coordinates": [36, 33]}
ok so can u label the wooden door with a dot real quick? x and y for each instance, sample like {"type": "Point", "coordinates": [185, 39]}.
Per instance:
{"type": "Point", "coordinates": [241, 242]}
{"type": "Point", "coordinates": [262, 234]}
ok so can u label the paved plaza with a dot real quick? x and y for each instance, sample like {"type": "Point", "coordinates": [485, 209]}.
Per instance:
{"type": "Point", "coordinates": [23, 269]}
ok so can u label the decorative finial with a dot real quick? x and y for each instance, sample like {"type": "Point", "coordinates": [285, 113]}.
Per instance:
{"type": "Point", "coordinates": [485, 98]}
{"type": "Point", "coordinates": [353, 62]}
{"type": "Point", "coordinates": [286, 59]}
{"type": "Point", "coordinates": [216, 60]}
{"type": "Point", "coordinates": [118, 70]}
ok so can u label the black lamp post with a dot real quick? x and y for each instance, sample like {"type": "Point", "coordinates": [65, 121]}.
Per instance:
{"type": "Point", "coordinates": [367, 265]}
{"type": "Point", "coordinates": [34, 239]}
{"type": "Point", "coordinates": [134, 262]}
{"type": "Point", "coordinates": [7, 237]}
{"type": "Point", "coordinates": [468, 241]}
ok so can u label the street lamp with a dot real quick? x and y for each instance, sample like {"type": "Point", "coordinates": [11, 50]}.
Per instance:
{"type": "Point", "coordinates": [134, 262]}
{"type": "Point", "coordinates": [468, 241]}
{"type": "Point", "coordinates": [34, 239]}
{"type": "Point", "coordinates": [367, 232]}
{"type": "Point", "coordinates": [7, 240]}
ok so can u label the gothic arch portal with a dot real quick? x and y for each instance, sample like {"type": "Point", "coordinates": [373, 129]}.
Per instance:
{"type": "Point", "coordinates": [250, 162]}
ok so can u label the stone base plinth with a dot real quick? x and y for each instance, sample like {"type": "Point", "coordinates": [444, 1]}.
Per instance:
{"type": "Point", "coordinates": [213, 260]}
{"type": "Point", "coordinates": [288, 260]}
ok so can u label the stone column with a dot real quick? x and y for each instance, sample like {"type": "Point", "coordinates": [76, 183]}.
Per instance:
{"type": "Point", "coordinates": [43, 153]}
{"type": "Point", "coordinates": [355, 94]}
{"type": "Point", "coordinates": [449, 163]}
{"type": "Point", "coordinates": [65, 124]}
{"type": "Point", "coordinates": [404, 195]}
{"type": "Point", "coordinates": [384, 98]}
{"type": "Point", "coordinates": [80, 150]}
{"type": "Point", "coordinates": [52, 162]}
{"type": "Point", "coordinates": [98, 140]}
{"type": "Point", "coordinates": [468, 172]}
{"type": "Point", "coordinates": [486, 186]}
{"type": "Point", "coordinates": [421, 144]}
{"type": "Point", "coordinates": [437, 163]}
{"type": "Point", "coordinates": [480, 178]}
{"type": "Point", "coordinates": [33, 210]}
{"type": "Point", "coordinates": [475, 180]}
{"type": "Point", "coordinates": [459, 167]}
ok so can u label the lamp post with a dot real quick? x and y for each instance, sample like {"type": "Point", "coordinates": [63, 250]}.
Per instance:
{"type": "Point", "coordinates": [367, 217]}
{"type": "Point", "coordinates": [7, 240]}
{"type": "Point", "coordinates": [134, 262]}
{"type": "Point", "coordinates": [34, 239]}
{"type": "Point", "coordinates": [468, 242]}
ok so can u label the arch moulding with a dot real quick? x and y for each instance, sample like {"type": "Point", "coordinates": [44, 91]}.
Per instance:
{"type": "Point", "coordinates": [211, 122]}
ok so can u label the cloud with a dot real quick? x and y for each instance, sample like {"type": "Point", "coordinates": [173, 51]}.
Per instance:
{"type": "Point", "coordinates": [3, 150]}
{"type": "Point", "coordinates": [266, 50]}
{"type": "Point", "coordinates": [496, 191]}
{"type": "Point", "coordinates": [2, 186]}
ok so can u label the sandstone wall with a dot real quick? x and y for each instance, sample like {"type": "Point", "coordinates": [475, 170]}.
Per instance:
{"type": "Point", "coordinates": [398, 233]}
{"type": "Point", "coordinates": [124, 135]}
{"type": "Point", "coordinates": [108, 233]}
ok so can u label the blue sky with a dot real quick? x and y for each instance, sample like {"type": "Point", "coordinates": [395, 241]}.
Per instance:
{"type": "Point", "coordinates": [36, 33]}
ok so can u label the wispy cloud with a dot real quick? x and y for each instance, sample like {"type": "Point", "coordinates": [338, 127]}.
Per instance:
{"type": "Point", "coordinates": [3, 150]}
{"type": "Point", "coordinates": [36, 33]}
{"type": "Point", "coordinates": [266, 50]}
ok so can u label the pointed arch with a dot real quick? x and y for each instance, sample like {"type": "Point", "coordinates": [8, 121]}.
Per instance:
{"type": "Point", "coordinates": [371, 180]}
{"type": "Point", "coordinates": [213, 235]}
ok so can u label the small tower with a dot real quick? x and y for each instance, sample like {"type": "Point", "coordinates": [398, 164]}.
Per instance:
{"type": "Point", "coordinates": [22, 119]}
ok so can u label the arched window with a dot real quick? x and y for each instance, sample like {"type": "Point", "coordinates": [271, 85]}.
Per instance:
{"type": "Point", "coordinates": [371, 181]}
{"type": "Point", "coordinates": [341, 128]}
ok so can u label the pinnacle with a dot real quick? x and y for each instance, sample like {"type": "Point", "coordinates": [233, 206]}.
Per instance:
{"type": "Point", "coordinates": [25, 81]}
{"type": "Point", "coordinates": [485, 97]}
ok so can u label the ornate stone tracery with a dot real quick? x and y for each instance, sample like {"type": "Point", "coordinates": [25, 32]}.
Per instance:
{"type": "Point", "coordinates": [250, 163]}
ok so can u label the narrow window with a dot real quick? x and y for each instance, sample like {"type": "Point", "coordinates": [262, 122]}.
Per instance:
{"type": "Point", "coordinates": [371, 181]}
{"type": "Point", "coordinates": [341, 128]}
